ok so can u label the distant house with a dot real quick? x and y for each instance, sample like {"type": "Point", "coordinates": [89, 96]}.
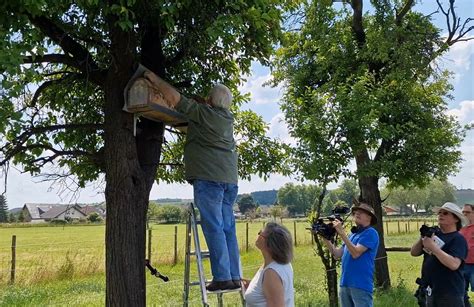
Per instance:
{"type": "Point", "coordinates": [88, 209]}
{"type": "Point", "coordinates": [390, 210]}
{"type": "Point", "coordinates": [39, 213]}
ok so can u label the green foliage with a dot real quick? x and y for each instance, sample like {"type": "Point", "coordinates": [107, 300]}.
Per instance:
{"type": "Point", "coordinates": [341, 196]}
{"type": "Point", "coordinates": [52, 96]}
{"type": "Point", "coordinates": [94, 217]}
{"type": "Point", "coordinates": [21, 217]}
{"type": "Point", "coordinates": [3, 209]}
{"type": "Point", "coordinates": [165, 213]}
{"type": "Point", "coordinates": [277, 211]}
{"type": "Point", "coordinates": [66, 270]}
{"type": "Point", "coordinates": [435, 194]}
{"type": "Point", "coordinates": [377, 100]}
{"type": "Point", "coordinates": [298, 199]}
{"type": "Point", "coordinates": [246, 203]}
{"type": "Point", "coordinates": [58, 222]}
{"type": "Point", "coordinates": [12, 218]}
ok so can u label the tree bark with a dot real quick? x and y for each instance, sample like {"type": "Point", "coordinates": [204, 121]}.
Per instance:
{"type": "Point", "coordinates": [331, 274]}
{"type": "Point", "coordinates": [131, 163]}
{"type": "Point", "coordinates": [370, 193]}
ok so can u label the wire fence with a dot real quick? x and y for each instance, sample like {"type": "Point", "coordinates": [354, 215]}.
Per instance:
{"type": "Point", "coordinates": [26, 260]}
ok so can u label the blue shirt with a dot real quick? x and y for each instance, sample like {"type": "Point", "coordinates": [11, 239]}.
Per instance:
{"type": "Point", "coordinates": [359, 273]}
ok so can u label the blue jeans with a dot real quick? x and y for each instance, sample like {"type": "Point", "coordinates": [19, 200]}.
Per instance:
{"type": "Point", "coordinates": [353, 297]}
{"type": "Point", "coordinates": [214, 201]}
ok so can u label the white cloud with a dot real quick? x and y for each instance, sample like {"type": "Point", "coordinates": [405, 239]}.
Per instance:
{"type": "Point", "coordinates": [459, 59]}
{"type": "Point", "coordinates": [465, 112]}
{"type": "Point", "coordinates": [279, 129]}
{"type": "Point", "coordinates": [260, 93]}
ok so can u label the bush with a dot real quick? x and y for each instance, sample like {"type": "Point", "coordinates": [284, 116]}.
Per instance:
{"type": "Point", "coordinates": [58, 222]}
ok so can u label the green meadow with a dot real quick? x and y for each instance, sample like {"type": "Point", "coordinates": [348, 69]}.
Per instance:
{"type": "Point", "coordinates": [65, 266]}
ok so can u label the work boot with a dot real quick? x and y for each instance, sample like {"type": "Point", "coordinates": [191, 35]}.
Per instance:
{"type": "Point", "coordinates": [221, 285]}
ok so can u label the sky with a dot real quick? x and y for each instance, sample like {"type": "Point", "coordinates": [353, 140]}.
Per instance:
{"type": "Point", "coordinates": [22, 188]}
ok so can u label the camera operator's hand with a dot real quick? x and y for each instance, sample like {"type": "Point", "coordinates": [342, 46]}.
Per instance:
{"type": "Point", "coordinates": [429, 243]}
{"type": "Point", "coordinates": [337, 224]}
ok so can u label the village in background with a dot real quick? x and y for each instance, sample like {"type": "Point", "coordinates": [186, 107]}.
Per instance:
{"type": "Point", "coordinates": [291, 200]}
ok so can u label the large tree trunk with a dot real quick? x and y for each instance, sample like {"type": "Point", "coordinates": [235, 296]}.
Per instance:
{"type": "Point", "coordinates": [131, 163]}
{"type": "Point", "coordinates": [370, 193]}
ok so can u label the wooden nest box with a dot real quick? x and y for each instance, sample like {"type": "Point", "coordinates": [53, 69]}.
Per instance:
{"type": "Point", "coordinates": [144, 99]}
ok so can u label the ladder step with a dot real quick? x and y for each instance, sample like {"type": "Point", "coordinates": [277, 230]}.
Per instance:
{"type": "Point", "coordinates": [204, 254]}
{"type": "Point", "coordinates": [197, 283]}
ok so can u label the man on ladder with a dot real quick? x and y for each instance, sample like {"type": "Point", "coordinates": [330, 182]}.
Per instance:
{"type": "Point", "coordinates": [210, 160]}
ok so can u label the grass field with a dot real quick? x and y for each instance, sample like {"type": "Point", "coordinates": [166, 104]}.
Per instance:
{"type": "Point", "coordinates": [65, 265]}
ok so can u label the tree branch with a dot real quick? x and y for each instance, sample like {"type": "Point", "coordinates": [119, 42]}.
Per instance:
{"type": "Point", "coordinates": [51, 58]}
{"type": "Point", "coordinates": [454, 24]}
{"type": "Point", "coordinates": [357, 25]}
{"type": "Point", "coordinates": [82, 58]}
{"type": "Point", "coordinates": [16, 146]}
{"type": "Point", "coordinates": [405, 9]}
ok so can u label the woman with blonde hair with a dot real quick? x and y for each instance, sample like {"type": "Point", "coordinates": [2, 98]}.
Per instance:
{"type": "Point", "coordinates": [272, 285]}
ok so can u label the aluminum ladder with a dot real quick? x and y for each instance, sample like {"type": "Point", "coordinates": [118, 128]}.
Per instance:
{"type": "Point", "coordinates": [192, 231]}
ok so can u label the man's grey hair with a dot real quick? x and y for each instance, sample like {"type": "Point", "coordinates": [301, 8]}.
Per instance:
{"type": "Point", "coordinates": [220, 96]}
{"type": "Point", "coordinates": [279, 242]}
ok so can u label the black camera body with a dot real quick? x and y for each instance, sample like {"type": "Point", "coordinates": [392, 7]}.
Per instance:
{"type": "Point", "coordinates": [429, 231]}
{"type": "Point", "coordinates": [327, 230]}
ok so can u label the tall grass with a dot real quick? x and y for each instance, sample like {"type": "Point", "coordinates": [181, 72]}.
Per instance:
{"type": "Point", "coordinates": [309, 282]}
{"type": "Point", "coordinates": [65, 265]}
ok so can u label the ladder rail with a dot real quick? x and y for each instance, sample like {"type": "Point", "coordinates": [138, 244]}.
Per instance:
{"type": "Point", "coordinates": [192, 230]}
{"type": "Point", "coordinates": [197, 249]}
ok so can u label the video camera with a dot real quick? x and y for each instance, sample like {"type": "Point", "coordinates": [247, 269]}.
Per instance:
{"type": "Point", "coordinates": [327, 230]}
{"type": "Point", "coordinates": [429, 231]}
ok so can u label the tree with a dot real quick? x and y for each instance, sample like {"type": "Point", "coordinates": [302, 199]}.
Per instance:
{"type": "Point", "coordinates": [94, 217]}
{"type": "Point", "coordinates": [12, 218]}
{"type": "Point", "coordinates": [246, 203]}
{"type": "Point", "coordinates": [64, 68]}
{"type": "Point", "coordinates": [3, 209]}
{"type": "Point", "coordinates": [169, 214]}
{"type": "Point", "coordinates": [298, 199]}
{"type": "Point", "coordinates": [21, 217]}
{"type": "Point", "coordinates": [277, 211]}
{"type": "Point", "coordinates": [364, 87]}
{"type": "Point", "coordinates": [436, 193]}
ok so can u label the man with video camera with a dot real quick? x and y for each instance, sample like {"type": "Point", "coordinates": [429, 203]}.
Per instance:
{"type": "Point", "coordinates": [358, 257]}
{"type": "Point", "coordinates": [444, 250]}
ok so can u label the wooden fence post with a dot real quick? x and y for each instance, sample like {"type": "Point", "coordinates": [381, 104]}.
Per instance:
{"type": "Point", "coordinates": [149, 244]}
{"type": "Point", "coordinates": [12, 276]}
{"type": "Point", "coordinates": [398, 222]}
{"type": "Point", "coordinates": [246, 236]}
{"type": "Point", "coordinates": [175, 256]}
{"type": "Point", "coordinates": [294, 227]}
{"type": "Point", "coordinates": [386, 226]}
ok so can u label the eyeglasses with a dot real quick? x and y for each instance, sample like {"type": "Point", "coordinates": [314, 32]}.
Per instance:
{"type": "Point", "coordinates": [443, 212]}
